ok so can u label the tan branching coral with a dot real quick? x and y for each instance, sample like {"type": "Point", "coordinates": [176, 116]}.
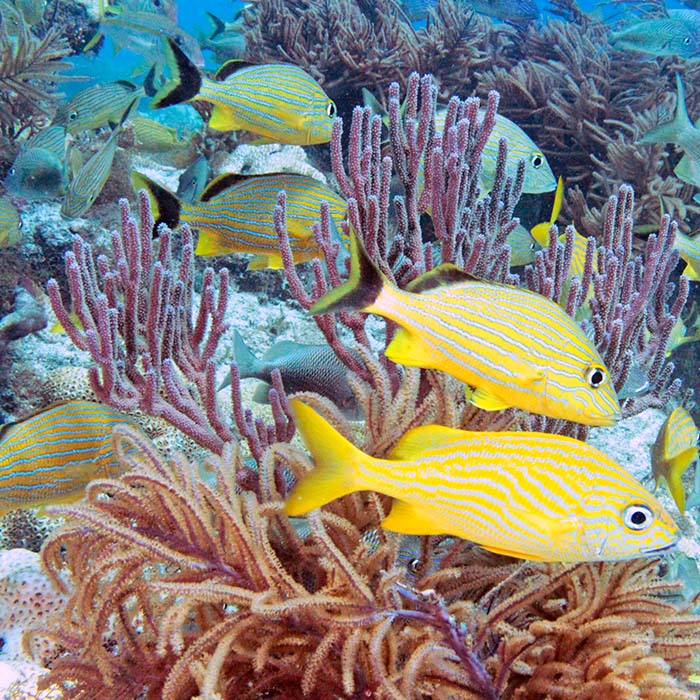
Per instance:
{"type": "Point", "coordinates": [182, 588]}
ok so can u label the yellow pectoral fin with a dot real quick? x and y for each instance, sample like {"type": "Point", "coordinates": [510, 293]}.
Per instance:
{"type": "Point", "coordinates": [223, 119]}
{"type": "Point", "coordinates": [409, 519]}
{"type": "Point", "coordinates": [552, 528]}
{"type": "Point", "coordinates": [485, 400]}
{"type": "Point", "coordinates": [407, 349]}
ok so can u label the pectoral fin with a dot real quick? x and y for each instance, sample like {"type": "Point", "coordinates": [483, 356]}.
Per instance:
{"type": "Point", "coordinates": [485, 400]}
{"type": "Point", "coordinates": [222, 119]}
{"type": "Point", "coordinates": [410, 520]}
{"type": "Point", "coordinates": [407, 349]}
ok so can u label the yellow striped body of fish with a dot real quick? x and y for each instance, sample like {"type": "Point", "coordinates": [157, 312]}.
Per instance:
{"type": "Point", "coordinates": [675, 449]}
{"type": "Point", "coordinates": [529, 495]}
{"type": "Point", "coordinates": [235, 214]}
{"type": "Point", "coordinates": [50, 457]}
{"type": "Point", "coordinates": [279, 102]}
{"type": "Point", "coordinates": [517, 347]}
{"type": "Point", "coordinates": [10, 224]}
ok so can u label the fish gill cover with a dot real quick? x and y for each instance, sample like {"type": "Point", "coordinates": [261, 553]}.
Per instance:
{"type": "Point", "coordinates": [183, 586]}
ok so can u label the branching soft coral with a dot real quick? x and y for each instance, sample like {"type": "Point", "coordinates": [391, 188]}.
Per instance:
{"type": "Point", "coordinates": [182, 587]}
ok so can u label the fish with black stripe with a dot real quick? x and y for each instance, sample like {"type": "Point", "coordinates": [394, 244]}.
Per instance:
{"type": "Point", "coordinates": [50, 456]}
{"type": "Point", "coordinates": [517, 347]}
{"type": "Point", "coordinates": [535, 496]}
{"type": "Point", "coordinates": [234, 214]}
{"type": "Point", "coordinates": [279, 102]}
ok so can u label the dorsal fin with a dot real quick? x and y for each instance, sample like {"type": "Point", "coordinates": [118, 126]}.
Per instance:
{"type": "Point", "coordinates": [225, 180]}
{"type": "Point", "coordinates": [440, 276]}
{"type": "Point", "coordinates": [127, 84]}
{"type": "Point", "coordinates": [230, 67]}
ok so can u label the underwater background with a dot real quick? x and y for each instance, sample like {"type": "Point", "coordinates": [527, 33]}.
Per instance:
{"type": "Point", "coordinates": [349, 349]}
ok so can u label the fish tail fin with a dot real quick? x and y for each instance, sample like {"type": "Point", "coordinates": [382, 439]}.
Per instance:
{"type": "Point", "coordinates": [149, 83]}
{"type": "Point", "coordinates": [245, 359]}
{"type": "Point", "coordinates": [219, 26]}
{"type": "Point", "coordinates": [669, 131]}
{"type": "Point", "coordinates": [334, 473]}
{"type": "Point", "coordinates": [359, 291]}
{"type": "Point", "coordinates": [164, 204]}
{"type": "Point", "coordinates": [186, 82]}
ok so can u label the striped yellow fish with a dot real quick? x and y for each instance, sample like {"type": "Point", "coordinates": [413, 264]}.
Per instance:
{"type": "Point", "coordinates": [538, 173]}
{"type": "Point", "coordinates": [529, 495]}
{"type": "Point", "coordinates": [97, 106]}
{"type": "Point", "coordinates": [10, 224]}
{"type": "Point", "coordinates": [517, 347]}
{"type": "Point", "coordinates": [50, 456]}
{"type": "Point", "coordinates": [53, 139]}
{"type": "Point", "coordinates": [279, 102]}
{"type": "Point", "coordinates": [689, 250]}
{"type": "Point", "coordinates": [234, 214]}
{"type": "Point", "coordinates": [154, 137]}
{"type": "Point", "coordinates": [675, 449]}
{"type": "Point", "coordinates": [90, 179]}
{"type": "Point", "coordinates": [540, 232]}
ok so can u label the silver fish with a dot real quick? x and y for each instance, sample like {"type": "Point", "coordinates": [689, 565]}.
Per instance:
{"type": "Point", "coordinates": [193, 180]}
{"type": "Point", "coordinates": [675, 35]}
{"type": "Point", "coordinates": [506, 10]}
{"type": "Point", "coordinates": [302, 368]}
{"type": "Point", "coordinates": [681, 131]}
{"type": "Point", "coordinates": [36, 173]}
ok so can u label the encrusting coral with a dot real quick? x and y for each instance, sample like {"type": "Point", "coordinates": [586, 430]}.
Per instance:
{"type": "Point", "coordinates": [188, 580]}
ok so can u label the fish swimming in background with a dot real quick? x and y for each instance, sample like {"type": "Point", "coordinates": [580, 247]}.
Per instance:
{"type": "Point", "coordinates": [302, 368]}
{"type": "Point", "coordinates": [191, 183]}
{"type": "Point", "coordinates": [515, 11]}
{"type": "Point", "coordinates": [517, 347]}
{"type": "Point", "coordinates": [675, 35]}
{"type": "Point", "coordinates": [227, 41]}
{"type": "Point", "coordinates": [53, 139]}
{"type": "Point", "coordinates": [689, 249]}
{"type": "Point", "coordinates": [530, 495]}
{"type": "Point", "coordinates": [675, 449]}
{"type": "Point", "coordinates": [143, 33]}
{"type": "Point", "coordinates": [10, 224]}
{"type": "Point", "coordinates": [540, 232]}
{"type": "Point", "coordinates": [234, 214]}
{"type": "Point", "coordinates": [90, 179]}
{"type": "Point", "coordinates": [522, 246]}
{"type": "Point", "coordinates": [277, 101]}
{"type": "Point", "coordinates": [681, 131]}
{"type": "Point", "coordinates": [154, 137]}
{"type": "Point", "coordinates": [538, 178]}
{"type": "Point", "coordinates": [50, 456]}
{"type": "Point", "coordinates": [97, 106]}
{"type": "Point", "coordinates": [37, 173]}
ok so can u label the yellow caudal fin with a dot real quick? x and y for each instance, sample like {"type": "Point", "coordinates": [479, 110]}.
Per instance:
{"type": "Point", "coordinates": [410, 519]}
{"type": "Point", "coordinates": [540, 232]}
{"type": "Point", "coordinates": [335, 457]}
{"type": "Point", "coordinates": [185, 83]}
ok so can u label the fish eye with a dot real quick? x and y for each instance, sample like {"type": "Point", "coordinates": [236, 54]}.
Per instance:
{"type": "Point", "coordinates": [537, 160]}
{"type": "Point", "coordinates": [73, 115]}
{"type": "Point", "coordinates": [330, 109]}
{"type": "Point", "coordinates": [414, 565]}
{"type": "Point", "coordinates": [12, 171]}
{"type": "Point", "coordinates": [637, 517]}
{"type": "Point", "coordinates": [596, 376]}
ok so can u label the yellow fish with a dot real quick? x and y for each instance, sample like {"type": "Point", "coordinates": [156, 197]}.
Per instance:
{"type": "Point", "coordinates": [540, 232]}
{"type": "Point", "coordinates": [234, 214]}
{"type": "Point", "coordinates": [689, 250]}
{"type": "Point", "coordinates": [517, 347]}
{"type": "Point", "coordinates": [676, 447]}
{"type": "Point", "coordinates": [530, 495]}
{"type": "Point", "coordinates": [154, 137]}
{"type": "Point", "coordinates": [279, 102]}
{"type": "Point", "coordinates": [50, 456]}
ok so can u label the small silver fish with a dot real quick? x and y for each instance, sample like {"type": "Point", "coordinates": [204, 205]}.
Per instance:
{"type": "Point", "coordinates": [192, 181]}
{"type": "Point", "coordinates": [506, 10]}
{"type": "Point", "coordinates": [675, 35]}
{"type": "Point", "coordinates": [91, 178]}
{"type": "Point", "coordinates": [302, 368]}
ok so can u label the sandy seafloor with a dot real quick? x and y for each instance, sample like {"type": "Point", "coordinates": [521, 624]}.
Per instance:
{"type": "Point", "coordinates": [262, 319]}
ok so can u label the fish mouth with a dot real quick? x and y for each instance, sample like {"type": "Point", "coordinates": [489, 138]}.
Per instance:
{"type": "Point", "coordinates": [660, 548]}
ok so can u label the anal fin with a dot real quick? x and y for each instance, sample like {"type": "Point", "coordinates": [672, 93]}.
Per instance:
{"type": "Point", "coordinates": [409, 520]}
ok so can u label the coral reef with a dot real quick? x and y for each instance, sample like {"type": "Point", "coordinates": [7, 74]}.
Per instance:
{"type": "Point", "coordinates": [181, 588]}
{"type": "Point", "coordinates": [28, 315]}
{"type": "Point", "coordinates": [189, 580]}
